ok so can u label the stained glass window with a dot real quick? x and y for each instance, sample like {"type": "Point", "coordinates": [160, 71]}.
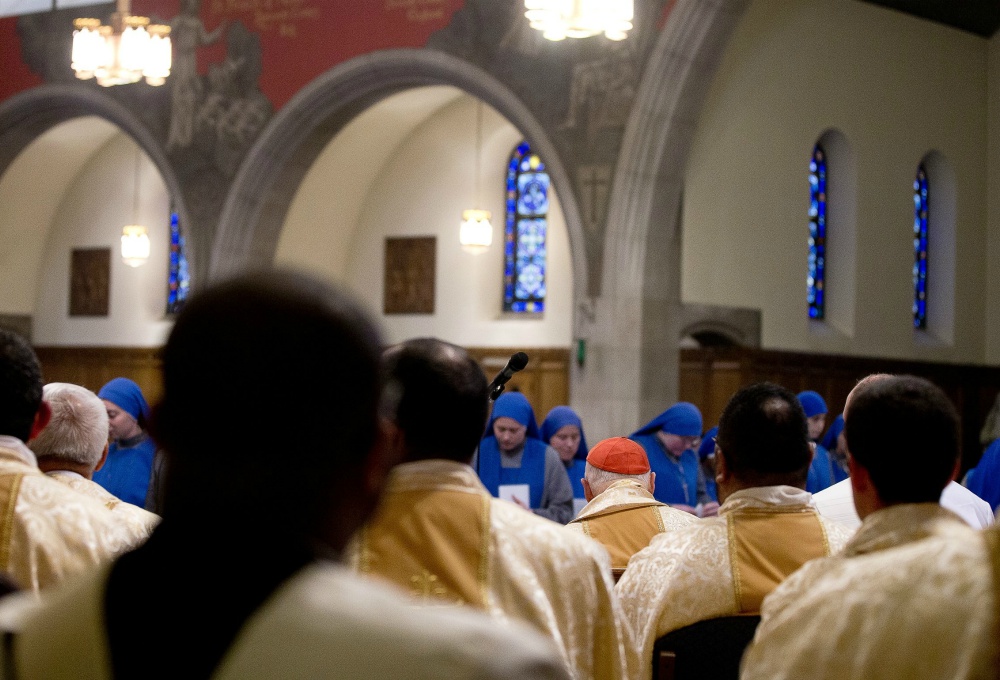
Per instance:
{"type": "Point", "coordinates": [816, 276]}
{"type": "Point", "coordinates": [525, 230]}
{"type": "Point", "coordinates": [179, 280]}
{"type": "Point", "coordinates": [920, 249]}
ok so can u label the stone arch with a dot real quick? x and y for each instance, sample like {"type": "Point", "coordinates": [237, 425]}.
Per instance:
{"type": "Point", "coordinates": [634, 326]}
{"type": "Point", "coordinates": [717, 334]}
{"type": "Point", "coordinates": [26, 116]}
{"type": "Point", "coordinates": [254, 213]}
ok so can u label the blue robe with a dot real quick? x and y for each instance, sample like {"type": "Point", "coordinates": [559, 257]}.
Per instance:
{"type": "Point", "coordinates": [558, 418]}
{"type": "Point", "coordinates": [127, 470]}
{"type": "Point", "coordinates": [676, 481]}
{"type": "Point", "coordinates": [531, 472]}
{"type": "Point", "coordinates": [576, 469]}
{"type": "Point", "coordinates": [823, 471]}
{"type": "Point", "coordinates": [710, 489]}
{"type": "Point", "coordinates": [984, 479]}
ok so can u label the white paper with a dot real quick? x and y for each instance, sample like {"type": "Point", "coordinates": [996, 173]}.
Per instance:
{"type": "Point", "coordinates": [508, 492]}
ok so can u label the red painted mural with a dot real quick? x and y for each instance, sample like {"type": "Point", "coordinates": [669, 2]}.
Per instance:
{"type": "Point", "coordinates": [300, 39]}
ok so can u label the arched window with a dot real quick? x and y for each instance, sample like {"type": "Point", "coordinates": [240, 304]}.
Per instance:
{"type": "Point", "coordinates": [179, 280]}
{"type": "Point", "coordinates": [525, 230]}
{"type": "Point", "coordinates": [816, 276]}
{"type": "Point", "coordinates": [920, 249]}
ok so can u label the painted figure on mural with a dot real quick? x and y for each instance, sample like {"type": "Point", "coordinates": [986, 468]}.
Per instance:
{"type": "Point", "coordinates": [233, 110]}
{"type": "Point", "coordinates": [187, 33]}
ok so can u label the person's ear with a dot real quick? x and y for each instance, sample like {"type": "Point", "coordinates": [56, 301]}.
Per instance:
{"type": "Point", "coordinates": [104, 458]}
{"type": "Point", "coordinates": [652, 481]}
{"type": "Point", "coordinates": [42, 417]}
{"type": "Point", "coordinates": [386, 453]}
{"type": "Point", "coordinates": [587, 491]}
{"type": "Point", "coordinates": [721, 469]}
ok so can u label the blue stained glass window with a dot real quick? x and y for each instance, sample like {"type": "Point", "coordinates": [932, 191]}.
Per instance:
{"type": "Point", "coordinates": [920, 249]}
{"type": "Point", "coordinates": [525, 230]}
{"type": "Point", "coordinates": [179, 280]}
{"type": "Point", "coordinates": [816, 276]}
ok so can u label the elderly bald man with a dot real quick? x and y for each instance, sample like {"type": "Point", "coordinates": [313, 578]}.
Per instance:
{"type": "Point", "coordinates": [621, 512]}
{"type": "Point", "coordinates": [74, 445]}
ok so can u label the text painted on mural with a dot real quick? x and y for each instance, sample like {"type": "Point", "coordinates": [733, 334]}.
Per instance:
{"type": "Point", "coordinates": [282, 16]}
{"type": "Point", "coordinates": [418, 10]}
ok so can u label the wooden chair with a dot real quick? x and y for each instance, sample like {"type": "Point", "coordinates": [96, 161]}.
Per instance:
{"type": "Point", "coordinates": [706, 650]}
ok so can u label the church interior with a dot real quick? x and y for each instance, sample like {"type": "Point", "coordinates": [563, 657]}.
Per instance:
{"type": "Point", "coordinates": [347, 139]}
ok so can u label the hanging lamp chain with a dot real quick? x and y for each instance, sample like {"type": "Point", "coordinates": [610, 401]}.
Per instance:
{"type": "Point", "coordinates": [135, 185]}
{"type": "Point", "coordinates": [479, 145]}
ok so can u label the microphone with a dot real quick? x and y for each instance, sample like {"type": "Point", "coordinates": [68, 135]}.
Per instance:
{"type": "Point", "coordinates": [516, 363]}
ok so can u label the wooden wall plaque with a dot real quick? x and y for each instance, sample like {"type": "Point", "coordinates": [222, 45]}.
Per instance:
{"type": "Point", "coordinates": [89, 281]}
{"type": "Point", "coordinates": [409, 275]}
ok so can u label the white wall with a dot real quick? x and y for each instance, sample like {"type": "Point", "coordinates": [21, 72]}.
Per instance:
{"type": "Point", "coordinates": [897, 87]}
{"type": "Point", "coordinates": [420, 189]}
{"type": "Point", "coordinates": [93, 210]}
{"type": "Point", "coordinates": [30, 193]}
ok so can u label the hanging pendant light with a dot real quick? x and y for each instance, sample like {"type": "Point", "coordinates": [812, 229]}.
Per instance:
{"type": "Point", "coordinates": [560, 19]}
{"type": "Point", "coordinates": [476, 232]}
{"type": "Point", "coordinates": [129, 49]}
{"type": "Point", "coordinates": [135, 237]}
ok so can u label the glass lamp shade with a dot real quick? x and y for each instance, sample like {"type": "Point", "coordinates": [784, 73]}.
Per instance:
{"type": "Point", "coordinates": [560, 19]}
{"type": "Point", "coordinates": [476, 232]}
{"type": "Point", "coordinates": [135, 245]}
{"type": "Point", "coordinates": [120, 57]}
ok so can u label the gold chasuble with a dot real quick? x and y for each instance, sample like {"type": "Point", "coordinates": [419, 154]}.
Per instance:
{"type": "Point", "coordinates": [48, 531]}
{"type": "Point", "coordinates": [910, 596]}
{"type": "Point", "coordinates": [323, 622]}
{"type": "Point", "coordinates": [434, 544]}
{"type": "Point", "coordinates": [722, 566]}
{"type": "Point", "coordinates": [441, 537]}
{"type": "Point", "coordinates": [624, 518]}
{"type": "Point", "coordinates": [766, 547]}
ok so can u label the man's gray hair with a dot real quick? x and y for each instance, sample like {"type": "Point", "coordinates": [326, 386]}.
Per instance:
{"type": "Point", "coordinates": [600, 480]}
{"type": "Point", "coordinates": [78, 430]}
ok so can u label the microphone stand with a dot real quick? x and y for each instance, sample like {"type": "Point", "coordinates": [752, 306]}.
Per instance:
{"type": "Point", "coordinates": [491, 396]}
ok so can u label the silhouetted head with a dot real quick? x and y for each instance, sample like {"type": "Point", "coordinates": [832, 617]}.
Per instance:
{"type": "Point", "coordinates": [904, 431]}
{"type": "Point", "coordinates": [20, 386]}
{"type": "Point", "coordinates": [762, 439]}
{"type": "Point", "coordinates": [436, 395]}
{"type": "Point", "coordinates": [269, 407]}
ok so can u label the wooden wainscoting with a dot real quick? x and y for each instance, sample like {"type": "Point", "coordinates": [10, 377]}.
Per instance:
{"type": "Point", "coordinates": [94, 366]}
{"type": "Point", "coordinates": [709, 377]}
{"type": "Point", "coordinates": [545, 381]}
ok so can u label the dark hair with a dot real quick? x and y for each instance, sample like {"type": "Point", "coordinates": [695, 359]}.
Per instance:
{"type": "Point", "coordinates": [20, 385]}
{"type": "Point", "coordinates": [764, 437]}
{"type": "Point", "coordinates": [270, 389]}
{"type": "Point", "coordinates": [904, 431]}
{"type": "Point", "coordinates": [426, 378]}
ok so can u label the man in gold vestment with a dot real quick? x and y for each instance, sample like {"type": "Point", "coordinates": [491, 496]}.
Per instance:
{"type": "Point", "coordinates": [74, 444]}
{"type": "Point", "coordinates": [621, 513]}
{"type": "Point", "coordinates": [766, 528]}
{"type": "Point", "coordinates": [240, 581]}
{"type": "Point", "coordinates": [439, 535]}
{"type": "Point", "coordinates": [48, 531]}
{"type": "Point", "coordinates": [912, 594]}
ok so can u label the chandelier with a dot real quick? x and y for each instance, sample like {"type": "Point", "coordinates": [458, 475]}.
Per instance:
{"type": "Point", "coordinates": [476, 232]}
{"type": "Point", "coordinates": [559, 19]}
{"type": "Point", "coordinates": [129, 49]}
